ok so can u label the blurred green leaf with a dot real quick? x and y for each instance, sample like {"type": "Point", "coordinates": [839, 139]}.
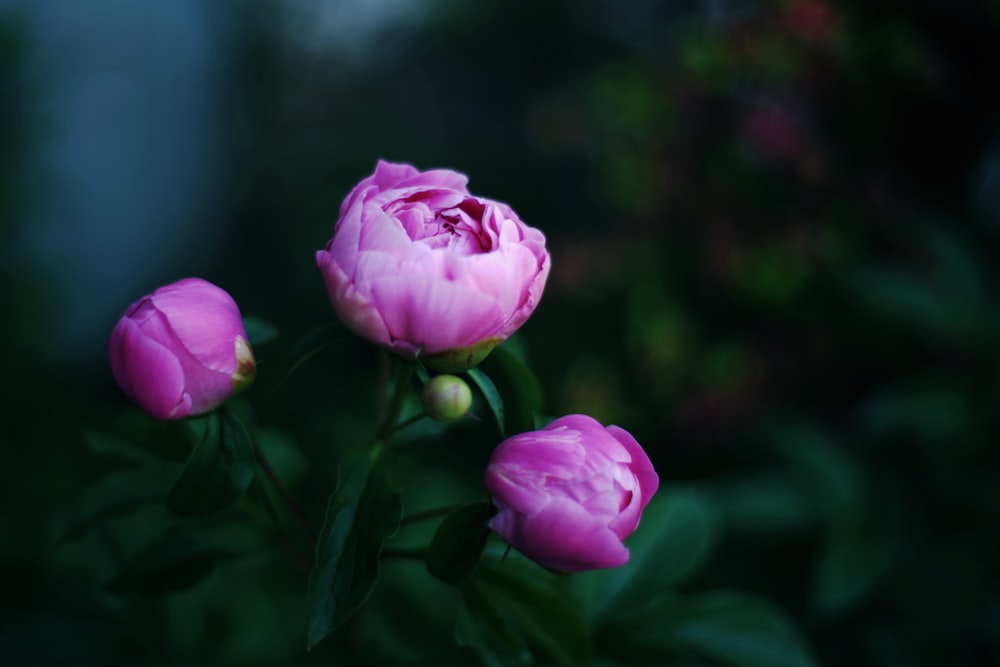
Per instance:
{"type": "Point", "coordinates": [220, 468]}
{"type": "Point", "coordinates": [731, 627]}
{"type": "Point", "coordinates": [738, 629]}
{"type": "Point", "coordinates": [136, 435]}
{"type": "Point", "coordinates": [459, 542]}
{"type": "Point", "coordinates": [519, 387]}
{"type": "Point", "coordinates": [313, 343]}
{"type": "Point", "coordinates": [259, 332]}
{"type": "Point", "coordinates": [117, 494]}
{"type": "Point", "coordinates": [930, 409]}
{"type": "Point", "coordinates": [513, 613]}
{"type": "Point", "coordinates": [679, 528]}
{"type": "Point", "coordinates": [363, 511]}
{"type": "Point", "coordinates": [763, 501]}
{"type": "Point", "coordinates": [182, 557]}
{"type": "Point", "coordinates": [167, 565]}
{"type": "Point", "coordinates": [943, 297]}
{"type": "Point", "coordinates": [851, 560]}
{"type": "Point", "coordinates": [824, 468]}
{"type": "Point", "coordinates": [490, 393]}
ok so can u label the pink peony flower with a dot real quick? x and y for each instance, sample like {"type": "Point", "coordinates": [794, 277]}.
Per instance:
{"type": "Point", "coordinates": [420, 266]}
{"type": "Point", "coordinates": [182, 350]}
{"type": "Point", "coordinates": [568, 495]}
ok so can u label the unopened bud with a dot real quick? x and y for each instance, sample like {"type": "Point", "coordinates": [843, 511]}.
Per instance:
{"type": "Point", "coordinates": [447, 398]}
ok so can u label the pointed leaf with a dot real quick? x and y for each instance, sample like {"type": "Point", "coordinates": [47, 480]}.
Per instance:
{"type": "Point", "coordinates": [183, 556]}
{"type": "Point", "coordinates": [362, 512]}
{"type": "Point", "coordinates": [117, 494]}
{"type": "Point", "coordinates": [219, 471]}
{"type": "Point", "coordinates": [490, 393]}
{"type": "Point", "coordinates": [259, 332]}
{"type": "Point", "coordinates": [135, 435]}
{"type": "Point", "coordinates": [459, 542]}
{"type": "Point", "coordinates": [730, 627]}
{"type": "Point", "coordinates": [677, 533]}
{"type": "Point", "coordinates": [514, 613]}
{"type": "Point", "coordinates": [519, 387]}
{"type": "Point", "coordinates": [739, 629]}
{"type": "Point", "coordinates": [312, 344]}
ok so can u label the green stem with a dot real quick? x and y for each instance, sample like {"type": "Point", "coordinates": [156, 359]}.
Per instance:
{"type": "Point", "coordinates": [409, 420]}
{"type": "Point", "coordinates": [427, 514]}
{"type": "Point", "coordinates": [283, 493]}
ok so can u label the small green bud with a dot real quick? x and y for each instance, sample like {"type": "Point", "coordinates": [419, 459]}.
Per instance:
{"type": "Point", "coordinates": [447, 398]}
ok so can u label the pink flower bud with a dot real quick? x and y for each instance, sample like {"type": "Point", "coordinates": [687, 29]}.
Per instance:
{"type": "Point", "coordinates": [568, 495]}
{"type": "Point", "coordinates": [182, 350]}
{"type": "Point", "coordinates": [420, 266]}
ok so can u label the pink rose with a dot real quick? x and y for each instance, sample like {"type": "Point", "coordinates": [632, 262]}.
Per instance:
{"type": "Point", "coordinates": [568, 495]}
{"type": "Point", "coordinates": [420, 266]}
{"type": "Point", "coordinates": [182, 350]}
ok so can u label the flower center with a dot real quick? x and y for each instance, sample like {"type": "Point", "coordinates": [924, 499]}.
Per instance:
{"type": "Point", "coordinates": [468, 228]}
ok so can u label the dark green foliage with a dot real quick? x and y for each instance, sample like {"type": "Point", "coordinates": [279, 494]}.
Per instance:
{"type": "Point", "coordinates": [459, 542]}
{"type": "Point", "coordinates": [363, 511]}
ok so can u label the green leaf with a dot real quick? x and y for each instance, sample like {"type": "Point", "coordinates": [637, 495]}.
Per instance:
{"type": "Point", "coordinates": [763, 501]}
{"type": "Point", "coordinates": [678, 531]}
{"type": "Point", "coordinates": [932, 409]}
{"type": "Point", "coordinates": [459, 542]}
{"type": "Point", "coordinates": [490, 393]}
{"type": "Point", "coordinates": [182, 557]}
{"type": "Point", "coordinates": [738, 629]}
{"type": "Point", "coordinates": [134, 434]}
{"type": "Point", "coordinates": [363, 511]}
{"type": "Point", "coordinates": [823, 466]}
{"type": "Point", "coordinates": [851, 561]}
{"type": "Point", "coordinates": [167, 565]}
{"type": "Point", "coordinates": [731, 627]}
{"type": "Point", "coordinates": [259, 332]}
{"type": "Point", "coordinates": [219, 471]}
{"type": "Point", "coordinates": [313, 343]}
{"type": "Point", "coordinates": [514, 613]}
{"type": "Point", "coordinates": [116, 494]}
{"type": "Point", "coordinates": [519, 387]}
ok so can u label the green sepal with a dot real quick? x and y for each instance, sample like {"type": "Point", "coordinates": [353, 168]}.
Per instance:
{"type": "Point", "coordinates": [462, 358]}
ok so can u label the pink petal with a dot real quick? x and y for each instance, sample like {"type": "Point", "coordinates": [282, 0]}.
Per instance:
{"type": "Point", "coordinates": [357, 312]}
{"type": "Point", "coordinates": [641, 466]}
{"type": "Point", "coordinates": [563, 536]}
{"type": "Point", "coordinates": [150, 373]}
{"type": "Point", "coordinates": [429, 313]}
{"type": "Point", "coordinates": [205, 320]}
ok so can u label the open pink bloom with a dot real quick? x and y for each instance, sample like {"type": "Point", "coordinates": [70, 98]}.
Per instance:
{"type": "Point", "coordinates": [568, 495]}
{"type": "Point", "coordinates": [182, 350]}
{"type": "Point", "coordinates": [419, 265]}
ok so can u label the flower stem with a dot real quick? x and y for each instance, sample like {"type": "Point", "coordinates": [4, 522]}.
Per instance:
{"type": "Point", "coordinates": [409, 420]}
{"type": "Point", "coordinates": [283, 493]}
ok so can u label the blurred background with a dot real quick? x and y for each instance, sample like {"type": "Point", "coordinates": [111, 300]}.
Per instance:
{"type": "Point", "coordinates": [775, 229]}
